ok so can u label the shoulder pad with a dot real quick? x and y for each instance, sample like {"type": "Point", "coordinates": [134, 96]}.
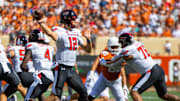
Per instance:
{"type": "Point", "coordinates": [56, 28]}
{"type": "Point", "coordinates": [104, 53]}
{"type": "Point", "coordinates": [30, 45]}
{"type": "Point", "coordinates": [10, 48]}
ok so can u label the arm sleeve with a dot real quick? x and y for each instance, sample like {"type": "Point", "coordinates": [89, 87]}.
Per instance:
{"type": "Point", "coordinates": [57, 30]}
{"type": "Point", "coordinates": [29, 46]}
{"type": "Point", "coordinates": [127, 52]}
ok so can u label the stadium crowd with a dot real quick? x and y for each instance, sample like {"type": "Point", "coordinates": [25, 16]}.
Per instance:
{"type": "Point", "coordinates": [149, 18]}
{"type": "Point", "coordinates": [154, 18]}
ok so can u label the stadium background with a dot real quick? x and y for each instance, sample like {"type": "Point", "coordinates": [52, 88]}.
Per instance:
{"type": "Point", "coordinates": [151, 21]}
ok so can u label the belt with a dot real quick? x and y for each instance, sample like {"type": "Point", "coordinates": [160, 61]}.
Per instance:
{"type": "Point", "coordinates": [65, 67]}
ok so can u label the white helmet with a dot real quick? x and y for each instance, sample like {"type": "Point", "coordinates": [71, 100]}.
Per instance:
{"type": "Point", "coordinates": [113, 45]}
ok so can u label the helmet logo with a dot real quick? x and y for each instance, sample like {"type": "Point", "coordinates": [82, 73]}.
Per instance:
{"type": "Point", "coordinates": [67, 16]}
{"type": "Point", "coordinates": [65, 13]}
{"type": "Point", "coordinates": [126, 39]}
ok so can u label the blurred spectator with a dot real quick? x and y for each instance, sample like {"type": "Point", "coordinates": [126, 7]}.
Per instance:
{"type": "Point", "coordinates": [12, 37]}
{"type": "Point", "coordinates": [154, 18]}
{"type": "Point", "coordinates": [103, 4]}
{"type": "Point", "coordinates": [158, 3]}
{"type": "Point", "coordinates": [159, 30]}
{"type": "Point", "coordinates": [167, 47]}
{"type": "Point", "coordinates": [147, 30]}
{"type": "Point", "coordinates": [120, 16]}
{"type": "Point", "coordinates": [176, 70]}
{"type": "Point", "coordinates": [149, 18]}
{"type": "Point", "coordinates": [138, 31]}
{"type": "Point", "coordinates": [176, 31]}
{"type": "Point", "coordinates": [167, 32]}
{"type": "Point", "coordinates": [170, 20]}
{"type": "Point", "coordinates": [51, 19]}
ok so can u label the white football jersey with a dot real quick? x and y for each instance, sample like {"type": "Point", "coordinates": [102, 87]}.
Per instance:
{"type": "Point", "coordinates": [18, 58]}
{"type": "Point", "coordinates": [3, 60]}
{"type": "Point", "coordinates": [67, 45]}
{"type": "Point", "coordinates": [42, 55]}
{"type": "Point", "coordinates": [3, 57]}
{"type": "Point", "coordinates": [142, 61]}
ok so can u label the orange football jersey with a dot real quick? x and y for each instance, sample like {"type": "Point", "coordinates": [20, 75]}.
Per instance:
{"type": "Point", "coordinates": [108, 72]}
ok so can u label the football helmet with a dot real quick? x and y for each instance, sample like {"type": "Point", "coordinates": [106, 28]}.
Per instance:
{"type": "Point", "coordinates": [36, 35]}
{"type": "Point", "coordinates": [21, 40]}
{"type": "Point", "coordinates": [126, 39]}
{"type": "Point", "coordinates": [113, 45]}
{"type": "Point", "coordinates": [67, 16]}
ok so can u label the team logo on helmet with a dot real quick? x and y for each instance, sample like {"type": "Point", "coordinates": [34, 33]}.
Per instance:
{"type": "Point", "coordinates": [21, 40]}
{"type": "Point", "coordinates": [67, 16]}
{"type": "Point", "coordinates": [36, 35]}
{"type": "Point", "coordinates": [126, 39]}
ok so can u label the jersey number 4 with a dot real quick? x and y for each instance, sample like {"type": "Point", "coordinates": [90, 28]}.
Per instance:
{"type": "Point", "coordinates": [143, 51]}
{"type": "Point", "coordinates": [73, 43]}
{"type": "Point", "coordinates": [47, 55]}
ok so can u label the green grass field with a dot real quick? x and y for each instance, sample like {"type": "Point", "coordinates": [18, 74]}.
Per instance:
{"type": "Point", "coordinates": [147, 96]}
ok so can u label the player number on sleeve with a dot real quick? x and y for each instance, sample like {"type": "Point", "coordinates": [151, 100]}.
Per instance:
{"type": "Point", "coordinates": [47, 55]}
{"type": "Point", "coordinates": [73, 43]}
{"type": "Point", "coordinates": [143, 51]}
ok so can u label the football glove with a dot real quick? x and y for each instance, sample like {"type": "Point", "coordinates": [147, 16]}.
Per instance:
{"type": "Point", "coordinates": [103, 62]}
{"type": "Point", "coordinates": [126, 91]}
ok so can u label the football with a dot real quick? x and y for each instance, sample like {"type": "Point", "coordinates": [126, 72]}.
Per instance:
{"type": "Point", "coordinates": [38, 14]}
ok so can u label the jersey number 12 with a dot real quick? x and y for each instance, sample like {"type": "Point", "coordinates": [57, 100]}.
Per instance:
{"type": "Point", "coordinates": [73, 43]}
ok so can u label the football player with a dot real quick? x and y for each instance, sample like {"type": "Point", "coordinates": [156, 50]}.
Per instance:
{"type": "Point", "coordinates": [152, 74]}
{"type": "Point", "coordinates": [42, 56]}
{"type": "Point", "coordinates": [16, 53]}
{"type": "Point", "coordinates": [7, 74]}
{"type": "Point", "coordinates": [112, 76]}
{"type": "Point", "coordinates": [67, 40]}
{"type": "Point", "coordinates": [92, 77]}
